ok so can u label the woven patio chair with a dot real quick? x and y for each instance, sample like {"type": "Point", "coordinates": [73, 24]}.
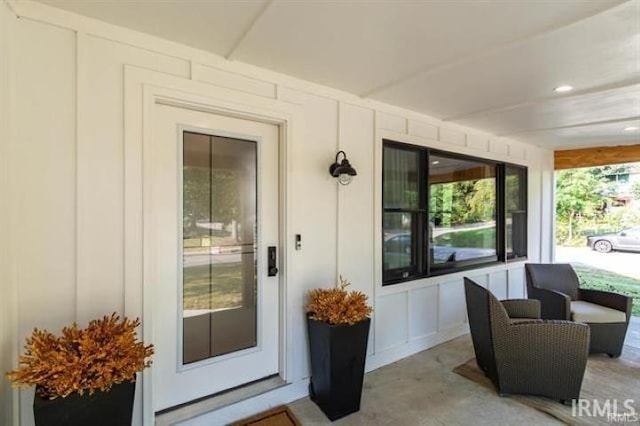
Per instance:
{"type": "Point", "coordinates": [557, 287]}
{"type": "Point", "coordinates": [533, 357]}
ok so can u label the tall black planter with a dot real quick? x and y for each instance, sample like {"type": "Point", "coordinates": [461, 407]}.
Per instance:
{"type": "Point", "coordinates": [112, 408]}
{"type": "Point", "coordinates": [338, 354]}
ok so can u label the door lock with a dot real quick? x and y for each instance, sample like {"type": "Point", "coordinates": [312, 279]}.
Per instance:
{"type": "Point", "coordinates": [272, 262]}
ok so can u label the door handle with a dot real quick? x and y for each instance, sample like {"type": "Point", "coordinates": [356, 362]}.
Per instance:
{"type": "Point", "coordinates": [272, 261]}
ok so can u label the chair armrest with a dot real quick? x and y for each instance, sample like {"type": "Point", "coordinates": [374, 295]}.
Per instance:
{"type": "Point", "coordinates": [565, 337]}
{"type": "Point", "coordinates": [554, 305]}
{"type": "Point", "coordinates": [522, 308]}
{"type": "Point", "coordinates": [609, 299]}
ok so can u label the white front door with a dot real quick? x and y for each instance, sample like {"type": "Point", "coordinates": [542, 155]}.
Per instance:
{"type": "Point", "coordinates": [211, 222]}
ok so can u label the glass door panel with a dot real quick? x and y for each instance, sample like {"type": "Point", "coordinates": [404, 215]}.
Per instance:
{"type": "Point", "coordinates": [219, 228]}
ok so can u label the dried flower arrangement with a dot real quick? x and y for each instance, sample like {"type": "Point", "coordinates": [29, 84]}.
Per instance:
{"type": "Point", "coordinates": [337, 305]}
{"type": "Point", "coordinates": [82, 360]}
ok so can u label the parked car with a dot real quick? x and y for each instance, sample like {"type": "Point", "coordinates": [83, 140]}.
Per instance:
{"type": "Point", "coordinates": [628, 239]}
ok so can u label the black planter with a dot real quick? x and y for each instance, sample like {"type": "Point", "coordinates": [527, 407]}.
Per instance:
{"type": "Point", "coordinates": [112, 408]}
{"type": "Point", "coordinates": [338, 354]}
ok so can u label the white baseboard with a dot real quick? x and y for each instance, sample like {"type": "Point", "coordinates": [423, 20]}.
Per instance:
{"type": "Point", "coordinates": [414, 346]}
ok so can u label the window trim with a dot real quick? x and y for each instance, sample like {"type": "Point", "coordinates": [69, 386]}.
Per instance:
{"type": "Point", "coordinates": [425, 151]}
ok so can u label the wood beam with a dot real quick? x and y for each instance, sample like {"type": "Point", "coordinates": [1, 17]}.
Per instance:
{"type": "Point", "coordinates": [474, 173]}
{"type": "Point", "coordinates": [598, 156]}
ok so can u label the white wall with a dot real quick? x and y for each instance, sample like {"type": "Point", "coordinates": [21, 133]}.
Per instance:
{"type": "Point", "coordinates": [69, 210]}
{"type": "Point", "coordinates": [8, 350]}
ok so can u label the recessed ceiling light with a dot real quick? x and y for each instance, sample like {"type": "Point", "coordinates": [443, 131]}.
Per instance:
{"type": "Point", "coordinates": [631, 128]}
{"type": "Point", "coordinates": [435, 162]}
{"type": "Point", "coordinates": [564, 88]}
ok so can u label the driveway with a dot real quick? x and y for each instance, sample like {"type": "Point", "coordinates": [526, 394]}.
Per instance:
{"type": "Point", "coordinates": [623, 263]}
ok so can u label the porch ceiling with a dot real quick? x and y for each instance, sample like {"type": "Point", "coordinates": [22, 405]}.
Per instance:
{"type": "Point", "coordinates": [490, 65]}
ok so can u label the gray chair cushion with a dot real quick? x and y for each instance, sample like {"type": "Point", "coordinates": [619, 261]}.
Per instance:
{"type": "Point", "coordinates": [591, 313]}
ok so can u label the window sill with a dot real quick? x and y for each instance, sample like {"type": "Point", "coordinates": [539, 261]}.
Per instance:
{"type": "Point", "coordinates": [424, 282]}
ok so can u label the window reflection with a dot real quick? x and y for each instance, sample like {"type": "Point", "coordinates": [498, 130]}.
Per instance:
{"type": "Point", "coordinates": [462, 210]}
{"type": "Point", "coordinates": [219, 245]}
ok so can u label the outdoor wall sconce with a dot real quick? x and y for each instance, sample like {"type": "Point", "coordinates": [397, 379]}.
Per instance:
{"type": "Point", "coordinates": [343, 170]}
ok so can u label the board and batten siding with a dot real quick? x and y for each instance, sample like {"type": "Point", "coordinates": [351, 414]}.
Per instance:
{"type": "Point", "coordinates": [71, 224]}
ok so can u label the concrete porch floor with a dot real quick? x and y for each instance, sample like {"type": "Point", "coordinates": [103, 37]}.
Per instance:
{"type": "Point", "coordinates": [423, 390]}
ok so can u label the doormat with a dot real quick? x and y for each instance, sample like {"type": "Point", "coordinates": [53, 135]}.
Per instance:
{"type": "Point", "coordinates": [278, 416]}
{"type": "Point", "coordinates": [605, 380]}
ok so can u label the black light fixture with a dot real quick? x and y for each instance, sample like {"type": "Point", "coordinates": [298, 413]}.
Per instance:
{"type": "Point", "coordinates": [344, 171]}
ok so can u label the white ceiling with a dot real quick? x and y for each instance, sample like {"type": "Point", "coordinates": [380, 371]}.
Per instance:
{"type": "Point", "coordinates": [486, 64]}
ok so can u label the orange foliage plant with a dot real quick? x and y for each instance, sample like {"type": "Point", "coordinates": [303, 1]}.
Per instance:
{"type": "Point", "coordinates": [82, 360]}
{"type": "Point", "coordinates": [337, 305]}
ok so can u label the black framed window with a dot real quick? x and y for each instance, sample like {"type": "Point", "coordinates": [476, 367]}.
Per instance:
{"type": "Point", "coordinates": [404, 212]}
{"type": "Point", "coordinates": [445, 212]}
{"type": "Point", "coordinates": [516, 211]}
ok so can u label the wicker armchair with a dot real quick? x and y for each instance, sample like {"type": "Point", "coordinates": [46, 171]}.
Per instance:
{"type": "Point", "coordinates": [534, 357]}
{"type": "Point", "coordinates": [557, 287]}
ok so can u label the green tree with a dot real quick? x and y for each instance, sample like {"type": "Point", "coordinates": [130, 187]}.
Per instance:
{"type": "Point", "coordinates": [209, 196]}
{"type": "Point", "coordinates": [457, 203]}
{"type": "Point", "coordinates": [196, 198]}
{"type": "Point", "coordinates": [460, 193]}
{"type": "Point", "coordinates": [579, 196]}
{"type": "Point", "coordinates": [611, 170]}
{"type": "Point", "coordinates": [482, 202]}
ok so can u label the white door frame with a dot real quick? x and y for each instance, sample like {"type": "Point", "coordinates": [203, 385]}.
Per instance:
{"type": "Point", "coordinates": [144, 89]}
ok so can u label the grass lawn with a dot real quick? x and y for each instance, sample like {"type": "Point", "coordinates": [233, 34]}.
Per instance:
{"type": "Point", "coordinates": [475, 238]}
{"type": "Point", "coordinates": [218, 290]}
{"type": "Point", "coordinates": [599, 279]}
